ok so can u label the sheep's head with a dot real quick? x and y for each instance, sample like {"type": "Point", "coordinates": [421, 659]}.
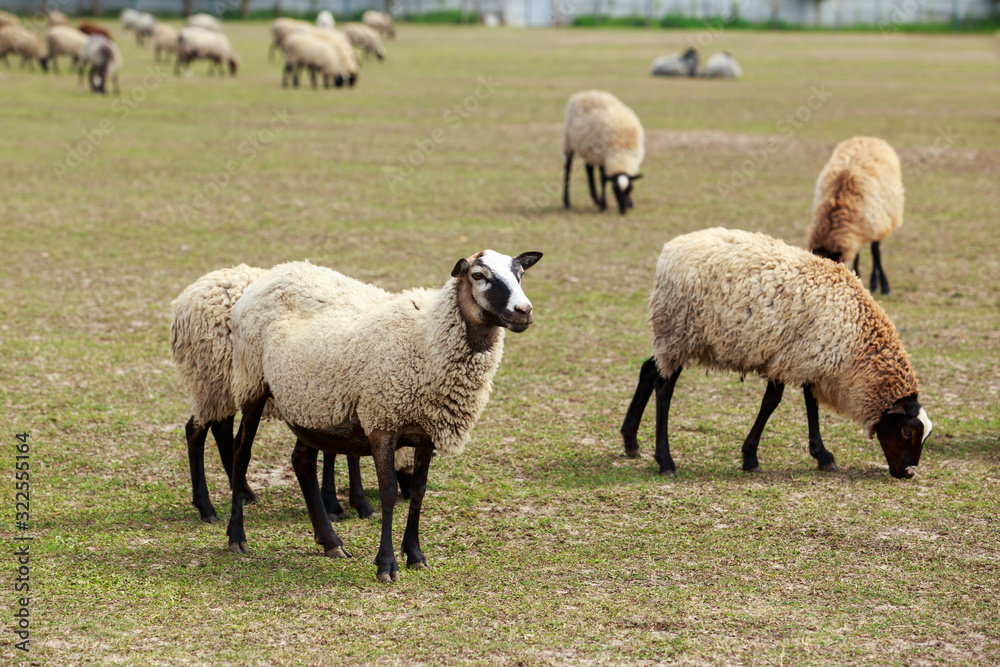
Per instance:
{"type": "Point", "coordinates": [234, 64]}
{"type": "Point", "coordinates": [621, 184]}
{"type": "Point", "coordinates": [690, 59]}
{"type": "Point", "coordinates": [902, 431]}
{"type": "Point", "coordinates": [829, 253]}
{"type": "Point", "coordinates": [493, 284]}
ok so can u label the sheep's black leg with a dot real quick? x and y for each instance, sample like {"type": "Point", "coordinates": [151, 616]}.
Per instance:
{"type": "Point", "coordinates": [630, 427]}
{"type": "Point", "coordinates": [405, 480]}
{"type": "Point", "coordinates": [196, 462]}
{"type": "Point", "coordinates": [241, 461]}
{"type": "Point", "coordinates": [816, 448]}
{"type": "Point", "coordinates": [357, 497]}
{"type": "Point", "coordinates": [878, 271]}
{"type": "Point", "coordinates": [772, 397]}
{"type": "Point", "coordinates": [569, 166]}
{"type": "Point", "coordinates": [312, 76]}
{"type": "Point", "coordinates": [328, 491]}
{"type": "Point", "coordinates": [222, 431]}
{"type": "Point", "coordinates": [418, 484]}
{"type": "Point", "coordinates": [604, 189]}
{"type": "Point", "coordinates": [664, 392]}
{"type": "Point", "coordinates": [593, 188]}
{"type": "Point", "coordinates": [304, 464]}
{"type": "Point", "coordinates": [383, 445]}
{"type": "Point", "coordinates": [857, 271]}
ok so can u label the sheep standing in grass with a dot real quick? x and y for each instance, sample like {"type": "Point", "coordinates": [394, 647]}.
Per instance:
{"type": "Point", "coordinates": [365, 38]}
{"type": "Point", "coordinates": [721, 66]}
{"type": "Point", "coordinates": [206, 21]}
{"type": "Point", "coordinates": [281, 28]}
{"type": "Point", "coordinates": [304, 49]}
{"type": "Point", "coordinates": [608, 135]}
{"type": "Point", "coordinates": [199, 43]}
{"type": "Point", "coordinates": [17, 40]}
{"type": "Point", "coordinates": [676, 65]}
{"type": "Point", "coordinates": [65, 41]}
{"type": "Point", "coordinates": [104, 59]}
{"type": "Point", "coordinates": [858, 200]}
{"type": "Point", "coordinates": [202, 348]}
{"type": "Point", "coordinates": [144, 24]}
{"type": "Point", "coordinates": [379, 21]}
{"type": "Point", "coordinates": [166, 39]}
{"type": "Point", "coordinates": [325, 19]}
{"type": "Point", "coordinates": [128, 17]}
{"type": "Point", "coordinates": [354, 369]}
{"type": "Point", "coordinates": [743, 302]}
{"type": "Point", "coordinates": [342, 44]}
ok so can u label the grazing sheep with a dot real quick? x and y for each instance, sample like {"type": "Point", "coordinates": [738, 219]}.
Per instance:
{"type": "Point", "coordinates": [608, 135]}
{"type": "Point", "coordinates": [195, 43]}
{"type": "Point", "coordinates": [355, 369]}
{"type": "Point", "coordinates": [165, 39]}
{"type": "Point", "coordinates": [342, 43]}
{"type": "Point", "coordinates": [94, 29]}
{"type": "Point", "coordinates": [282, 28]}
{"type": "Point", "coordinates": [304, 49]}
{"type": "Point", "coordinates": [65, 41]}
{"type": "Point", "coordinates": [143, 24]}
{"type": "Point", "coordinates": [365, 38]}
{"type": "Point", "coordinates": [721, 66]}
{"type": "Point", "coordinates": [325, 19]}
{"type": "Point", "coordinates": [128, 17]}
{"type": "Point", "coordinates": [858, 200]}
{"type": "Point", "coordinates": [379, 21]}
{"type": "Point", "coordinates": [206, 21]}
{"type": "Point", "coordinates": [202, 348]}
{"type": "Point", "coordinates": [56, 17]}
{"type": "Point", "coordinates": [104, 59]}
{"type": "Point", "coordinates": [20, 41]}
{"type": "Point", "coordinates": [676, 65]}
{"type": "Point", "coordinates": [744, 302]}
{"type": "Point", "coordinates": [6, 19]}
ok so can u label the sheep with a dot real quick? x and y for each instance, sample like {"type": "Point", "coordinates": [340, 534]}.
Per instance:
{"type": "Point", "coordinates": [282, 28]}
{"type": "Point", "coordinates": [104, 59]}
{"type": "Point", "coordinates": [748, 303]}
{"type": "Point", "coordinates": [202, 349]}
{"type": "Point", "coordinates": [379, 21]}
{"type": "Point", "coordinates": [721, 66]}
{"type": "Point", "coordinates": [93, 29]}
{"type": "Point", "coordinates": [144, 23]}
{"type": "Point", "coordinates": [65, 41]}
{"type": "Point", "coordinates": [342, 43]}
{"type": "Point", "coordinates": [325, 19]}
{"type": "Point", "coordinates": [128, 17]}
{"type": "Point", "coordinates": [412, 369]}
{"type": "Point", "coordinates": [206, 21]}
{"type": "Point", "coordinates": [676, 65]}
{"type": "Point", "coordinates": [6, 19]}
{"type": "Point", "coordinates": [365, 38]}
{"type": "Point", "coordinates": [21, 41]}
{"type": "Point", "coordinates": [195, 43]}
{"type": "Point", "coordinates": [858, 200]}
{"type": "Point", "coordinates": [608, 135]}
{"type": "Point", "coordinates": [165, 39]}
{"type": "Point", "coordinates": [56, 17]}
{"type": "Point", "coordinates": [306, 50]}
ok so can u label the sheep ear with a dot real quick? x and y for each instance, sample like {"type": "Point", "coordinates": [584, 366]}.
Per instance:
{"type": "Point", "coordinates": [897, 409]}
{"type": "Point", "coordinates": [460, 268]}
{"type": "Point", "coordinates": [526, 260]}
{"type": "Point", "coordinates": [637, 177]}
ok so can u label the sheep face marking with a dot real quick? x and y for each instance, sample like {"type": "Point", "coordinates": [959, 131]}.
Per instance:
{"type": "Point", "coordinates": [621, 184]}
{"type": "Point", "coordinates": [902, 431]}
{"type": "Point", "coordinates": [494, 284]}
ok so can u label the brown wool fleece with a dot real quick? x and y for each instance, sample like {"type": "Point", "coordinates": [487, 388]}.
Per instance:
{"type": "Point", "coordinates": [858, 199]}
{"type": "Point", "coordinates": [745, 302]}
{"type": "Point", "coordinates": [332, 349]}
{"type": "Point", "coordinates": [604, 132]}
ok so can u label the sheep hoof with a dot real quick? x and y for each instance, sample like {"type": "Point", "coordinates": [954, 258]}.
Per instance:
{"type": "Point", "coordinates": [339, 516]}
{"type": "Point", "coordinates": [830, 467]}
{"type": "Point", "coordinates": [337, 552]}
{"type": "Point", "coordinates": [388, 577]}
{"type": "Point", "coordinates": [755, 468]}
{"type": "Point", "coordinates": [632, 453]}
{"type": "Point", "coordinates": [239, 547]}
{"type": "Point", "coordinates": [668, 472]}
{"type": "Point", "coordinates": [419, 565]}
{"type": "Point", "coordinates": [211, 518]}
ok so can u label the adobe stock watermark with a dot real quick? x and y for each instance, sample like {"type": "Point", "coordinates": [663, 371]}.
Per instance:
{"type": "Point", "coordinates": [251, 146]}
{"type": "Point", "coordinates": [916, 167]}
{"type": "Point", "coordinates": [121, 108]}
{"type": "Point", "coordinates": [901, 11]}
{"type": "Point", "coordinates": [787, 126]}
{"type": "Point", "coordinates": [453, 119]}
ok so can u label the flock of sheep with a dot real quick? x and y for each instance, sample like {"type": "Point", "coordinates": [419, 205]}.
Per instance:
{"type": "Point", "coordinates": [352, 369]}
{"type": "Point", "coordinates": [320, 48]}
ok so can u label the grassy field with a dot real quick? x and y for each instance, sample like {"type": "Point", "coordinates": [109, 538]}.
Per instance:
{"type": "Point", "coordinates": [545, 545]}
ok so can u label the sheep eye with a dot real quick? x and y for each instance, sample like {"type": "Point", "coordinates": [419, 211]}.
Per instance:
{"type": "Point", "coordinates": [477, 276]}
{"type": "Point", "coordinates": [907, 433]}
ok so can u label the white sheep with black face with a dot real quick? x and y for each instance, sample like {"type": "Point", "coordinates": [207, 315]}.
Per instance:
{"type": "Point", "coordinates": [354, 369]}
